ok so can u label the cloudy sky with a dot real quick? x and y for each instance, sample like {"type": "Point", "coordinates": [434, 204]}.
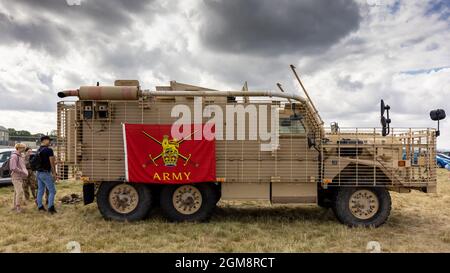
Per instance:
{"type": "Point", "coordinates": [350, 53]}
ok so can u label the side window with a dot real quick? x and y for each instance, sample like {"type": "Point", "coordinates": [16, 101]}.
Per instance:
{"type": "Point", "coordinates": [291, 126]}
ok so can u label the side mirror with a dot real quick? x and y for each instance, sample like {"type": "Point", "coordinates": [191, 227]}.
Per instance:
{"type": "Point", "coordinates": [437, 115]}
{"type": "Point", "coordinates": [385, 121]}
{"type": "Point", "coordinates": [383, 126]}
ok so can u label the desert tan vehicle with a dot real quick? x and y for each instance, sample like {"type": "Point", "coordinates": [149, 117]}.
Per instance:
{"type": "Point", "coordinates": [350, 170]}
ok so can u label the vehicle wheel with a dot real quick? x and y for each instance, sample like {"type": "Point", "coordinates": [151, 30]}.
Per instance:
{"type": "Point", "coordinates": [366, 207]}
{"type": "Point", "coordinates": [188, 203]}
{"type": "Point", "coordinates": [124, 201]}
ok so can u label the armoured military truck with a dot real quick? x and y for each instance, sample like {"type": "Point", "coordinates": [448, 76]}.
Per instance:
{"type": "Point", "coordinates": [119, 141]}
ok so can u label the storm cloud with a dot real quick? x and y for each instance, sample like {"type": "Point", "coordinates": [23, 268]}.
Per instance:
{"type": "Point", "coordinates": [349, 53]}
{"type": "Point", "coordinates": [109, 14]}
{"type": "Point", "coordinates": [55, 27]}
{"type": "Point", "coordinates": [40, 34]}
{"type": "Point", "coordinates": [267, 27]}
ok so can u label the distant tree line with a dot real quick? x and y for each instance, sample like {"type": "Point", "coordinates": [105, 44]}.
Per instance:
{"type": "Point", "coordinates": [24, 133]}
{"type": "Point", "coordinates": [25, 136]}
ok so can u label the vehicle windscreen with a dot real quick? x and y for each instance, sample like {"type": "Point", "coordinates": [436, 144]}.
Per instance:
{"type": "Point", "coordinates": [4, 156]}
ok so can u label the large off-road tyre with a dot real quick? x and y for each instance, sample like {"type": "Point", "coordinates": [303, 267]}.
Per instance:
{"type": "Point", "coordinates": [362, 207]}
{"type": "Point", "coordinates": [188, 202]}
{"type": "Point", "coordinates": [124, 201]}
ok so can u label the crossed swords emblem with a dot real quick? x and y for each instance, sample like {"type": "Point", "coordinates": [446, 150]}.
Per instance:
{"type": "Point", "coordinates": [169, 147]}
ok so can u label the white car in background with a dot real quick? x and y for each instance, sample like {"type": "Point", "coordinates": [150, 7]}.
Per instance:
{"type": "Point", "coordinates": [5, 154]}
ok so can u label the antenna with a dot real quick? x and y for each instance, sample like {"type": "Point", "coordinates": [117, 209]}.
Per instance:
{"type": "Point", "coordinates": [245, 88]}
{"type": "Point", "coordinates": [295, 116]}
{"type": "Point", "coordinates": [306, 93]}
{"type": "Point", "coordinates": [282, 90]}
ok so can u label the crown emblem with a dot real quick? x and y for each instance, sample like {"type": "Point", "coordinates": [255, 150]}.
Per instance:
{"type": "Point", "coordinates": [170, 153]}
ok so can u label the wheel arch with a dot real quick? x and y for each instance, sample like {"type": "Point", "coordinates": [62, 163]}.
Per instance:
{"type": "Point", "coordinates": [361, 174]}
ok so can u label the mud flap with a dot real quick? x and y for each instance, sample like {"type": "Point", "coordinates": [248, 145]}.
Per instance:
{"type": "Point", "coordinates": [88, 193]}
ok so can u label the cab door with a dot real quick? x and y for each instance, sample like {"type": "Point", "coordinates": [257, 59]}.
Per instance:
{"type": "Point", "coordinates": [296, 163]}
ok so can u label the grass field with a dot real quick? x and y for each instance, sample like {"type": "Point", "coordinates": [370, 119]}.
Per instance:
{"type": "Point", "coordinates": [418, 223]}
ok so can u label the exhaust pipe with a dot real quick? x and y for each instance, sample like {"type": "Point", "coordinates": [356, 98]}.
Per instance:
{"type": "Point", "coordinates": [68, 93]}
{"type": "Point", "coordinates": [103, 93]}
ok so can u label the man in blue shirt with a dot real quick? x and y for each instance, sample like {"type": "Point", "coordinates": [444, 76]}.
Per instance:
{"type": "Point", "coordinates": [46, 175]}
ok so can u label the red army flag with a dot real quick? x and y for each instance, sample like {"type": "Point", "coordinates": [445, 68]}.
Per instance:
{"type": "Point", "coordinates": [152, 155]}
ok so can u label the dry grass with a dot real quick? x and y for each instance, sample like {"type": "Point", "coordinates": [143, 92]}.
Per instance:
{"type": "Point", "coordinates": [418, 223]}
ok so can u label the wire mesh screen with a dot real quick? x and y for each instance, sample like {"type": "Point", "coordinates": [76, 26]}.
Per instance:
{"type": "Point", "coordinates": [362, 156]}
{"type": "Point", "coordinates": [90, 144]}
